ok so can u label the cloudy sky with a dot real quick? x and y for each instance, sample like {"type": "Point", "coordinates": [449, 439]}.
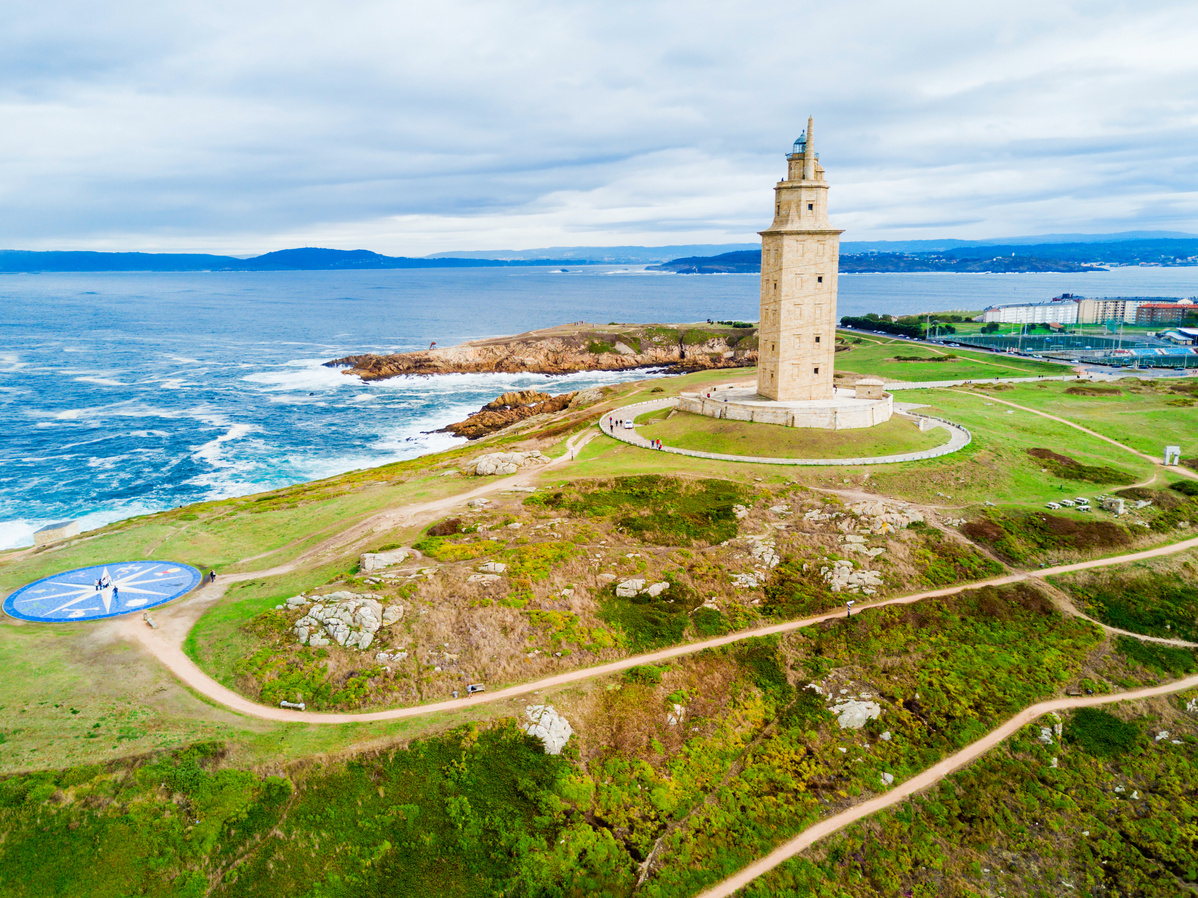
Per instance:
{"type": "Point", "coordinates": [412, 128]}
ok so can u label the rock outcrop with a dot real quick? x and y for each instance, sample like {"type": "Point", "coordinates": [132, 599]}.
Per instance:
{"type": "Point", "coordinates": [508, 409]}
{"type": "Point", "coordinates": [853, 715]}
{"type": "Point", "coordinates": [550, 727]}
{"type": "Point", "coordinates": [573, 348]}
{"type": "Point", "coordinates": [376, 561]}
{"type": "Point", "coordinates": [345, 618]}
{"type": "Point", "coordinates": [505, 463]}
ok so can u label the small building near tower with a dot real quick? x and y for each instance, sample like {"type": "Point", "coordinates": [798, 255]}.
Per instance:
{"type": "Point", "coordinates": [53, 533]}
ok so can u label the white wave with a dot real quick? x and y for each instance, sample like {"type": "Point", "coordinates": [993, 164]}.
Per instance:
{"type": "Point", "coordinates": [212, 451]}
{"type": "Point", "coordinates": [302, 374]}
{"type": "Point", "coordinates": [18, 534]}
{"type": "Point", "coordinates": [101, 381]}
{"type": "Point", "coordinates": [10, 363]}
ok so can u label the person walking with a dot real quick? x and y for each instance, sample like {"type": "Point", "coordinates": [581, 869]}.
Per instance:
{"type": "Point", "coordinates": [212, 576]}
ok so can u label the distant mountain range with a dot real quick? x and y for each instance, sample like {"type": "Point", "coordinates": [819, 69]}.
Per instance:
{"type": "Point", "coordinates": [1009, 257]}
{"type": "Point", "coordinates": [1053, 252]}
{"type": "Point", "coordinates": [307, 259]}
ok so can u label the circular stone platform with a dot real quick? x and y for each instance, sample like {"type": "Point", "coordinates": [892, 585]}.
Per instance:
{"type": "Point", "coordinates": [959, 438]}
{"type": "Point", "coordinates": [128, 586]}
{"type": "Point", "coordinates": [846, 410]}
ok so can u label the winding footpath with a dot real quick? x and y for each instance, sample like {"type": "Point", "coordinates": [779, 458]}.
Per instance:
{"type": "Point", "coordinates": [165, 644]}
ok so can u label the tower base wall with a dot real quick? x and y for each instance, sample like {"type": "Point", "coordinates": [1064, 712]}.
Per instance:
{"type": "Point", "coordinates": [844, 411]}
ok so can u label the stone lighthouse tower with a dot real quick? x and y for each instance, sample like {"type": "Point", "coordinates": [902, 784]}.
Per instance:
{"type": "Point", "coordinates": [800, 254]}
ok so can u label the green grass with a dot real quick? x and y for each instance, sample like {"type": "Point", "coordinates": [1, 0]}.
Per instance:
{"type": "Point", "coordinates": [697, 432]}
{"type": "Point", "coordinates": [874, 357]}
{"type": "Point", "coordinates": [1160, 603]}
{"type": "Point", "coordinates": [996, 466]}
{"type": "Point", "coordinates": [1025, 819]}
{"type": "Point", "coordinates": [1143, 414]}
{"type": "Point", "coordinates": [659, 510]}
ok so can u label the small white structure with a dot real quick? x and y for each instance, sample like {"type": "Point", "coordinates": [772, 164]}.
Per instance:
{"type": "Point", "coordinates": [53, 533]}
{"type": "Point", "coordinates": [1172, 455]}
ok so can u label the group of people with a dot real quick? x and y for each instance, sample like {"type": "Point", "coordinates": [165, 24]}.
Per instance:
{"type": "Point", "coordinates": [613, 423]}
{"type": "Point", "coordinates": [104, 582]}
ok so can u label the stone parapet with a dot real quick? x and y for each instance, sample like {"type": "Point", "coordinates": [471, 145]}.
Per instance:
{"type": "Point", "coordinates": [842, 412]}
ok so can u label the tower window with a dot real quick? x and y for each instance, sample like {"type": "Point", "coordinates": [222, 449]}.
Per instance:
{"type": "Point", "coordinates": [810, 206]}
{"type": "Point", "coordinates": [819, 279]}
{"type": "Point", "coordinates": [817, 338]}
{"type": "Point", "coordinates": [817, 371]}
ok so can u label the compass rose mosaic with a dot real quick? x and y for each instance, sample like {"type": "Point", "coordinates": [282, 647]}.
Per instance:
{"type": "Point", "coordinates": [100, 591]}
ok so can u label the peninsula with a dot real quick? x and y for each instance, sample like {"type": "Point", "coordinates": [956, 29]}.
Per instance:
{"type": "Point", "coordinates": [574, 347]}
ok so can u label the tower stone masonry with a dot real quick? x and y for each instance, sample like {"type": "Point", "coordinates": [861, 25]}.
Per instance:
{"type": "Point", "coordinates": [800, 254]}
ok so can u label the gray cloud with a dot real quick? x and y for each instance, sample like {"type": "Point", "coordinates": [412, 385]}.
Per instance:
{"type": "Point", "coordinates": [413, 128]}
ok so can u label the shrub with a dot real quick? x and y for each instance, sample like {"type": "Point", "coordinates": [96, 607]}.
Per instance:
{"type": "Point", "coordinates": [667, 511]}
{"type": "Point", "coordinates": [1071, 469]}
{"type": "Point", "coordinates": [448, 527]}
{"type": "Point", "coordinates": [1171, 660]}
{"type": "Point", "coordinates": [1100, 734]}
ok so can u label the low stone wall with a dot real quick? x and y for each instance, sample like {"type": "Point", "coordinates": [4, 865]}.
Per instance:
{"type": "Point", "coordinates": [824, 416]}
{"type": "Point", "coordinates": [959, 439]}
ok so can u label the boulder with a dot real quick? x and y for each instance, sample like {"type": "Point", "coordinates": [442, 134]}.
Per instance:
{"type": "Point", "coordinates": [656, 589]}
{"type": "Point", "coordinates": [853, 715]}
{"type": "Point", "coordinates": [629, 588]}
{"type": "Point", "coordinates": [500, 463]}
{"type": "Point", "coordinates": [493, 567]}
{"type": "Point", "coordinates": [391, 614]}
{"type": "Point", "coordinates": [375, 561]}
{"type": "Point", "coordinates": [548, 726]}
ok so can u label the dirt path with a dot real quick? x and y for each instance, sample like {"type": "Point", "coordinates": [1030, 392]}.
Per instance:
{"type": "Point", "coordinates": [926, 779]}
{"type": "Point", "coordinates": [166, 644]}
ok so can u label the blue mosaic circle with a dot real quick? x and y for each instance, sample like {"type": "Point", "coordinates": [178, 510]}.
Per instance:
{"type": "Point", "coordinates": [102, 590]}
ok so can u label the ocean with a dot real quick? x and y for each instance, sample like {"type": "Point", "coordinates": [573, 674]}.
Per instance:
{"type": "Point", "coordinates": [128, 393]}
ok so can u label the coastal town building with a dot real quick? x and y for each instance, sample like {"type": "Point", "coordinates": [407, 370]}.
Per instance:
{"type": "Point", "coordinates": [800, 255]}
{"type": "Point", "coordinates": [1151, 313]}
{"type": "Point", "coordinates": [1069, 308]}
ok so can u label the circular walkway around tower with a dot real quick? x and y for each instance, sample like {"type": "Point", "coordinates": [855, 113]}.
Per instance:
{"type": "Point", "coordinates": [102, 591]}
{"type": "Point", "coordinates": [959, 438]}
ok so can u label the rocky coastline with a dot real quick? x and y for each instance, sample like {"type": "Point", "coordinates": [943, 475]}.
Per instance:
{"type": "Point", "coordinates": [570, 349]}
{"type": "Point", "coordinates": [507, 410]}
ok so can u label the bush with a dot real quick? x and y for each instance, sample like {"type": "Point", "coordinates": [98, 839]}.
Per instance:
{"type": "Point", "coordinates": [1071, 469]}
{"type": "Point", "coordinates": [1171, 660]}
{"type": "Point", "coordinates": [1185, 487]}
{"type": "Point", "coordinates": [665, 511]}
{"type": "Point", "coordinates": [650, 622]}
{"type": "Point", "coordinates": [1100, 734]}
{"type": "Point", "coordinates": [448, 527]}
